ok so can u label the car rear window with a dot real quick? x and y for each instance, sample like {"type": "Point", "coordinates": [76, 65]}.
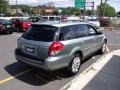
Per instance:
{"type": "Point", "coordinates": [46, 18]}
{"type": "Point", "coordinates": [54, 18]}
{"type": "Point", "coordinates": [40, 33]}
{"type": "Point", "coordinates": [4, 21]}
{"type": "Point", "coordinates": [92, 20]}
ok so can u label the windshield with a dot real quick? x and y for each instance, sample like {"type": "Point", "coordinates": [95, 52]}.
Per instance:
{"type": "Point", "coordinates": [54, 18]}
{"type": "Point", "coordinates": [4, 21]}
{"type": "Point", "coordinates": [92, 20]}
{"type": "Point", "coordinates": [40, 33]}
{"type": "Point", "coordinates": [46, 18]}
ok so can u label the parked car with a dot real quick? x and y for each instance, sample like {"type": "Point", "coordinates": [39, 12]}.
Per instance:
{"type": "Point", "coordinates": [52, 18]}
{"type": "Point", "coordinates": [22, 24]}
{"type": "Point", "coordinates": [53, 45]}
{"type": "Point", "coordinates": [6, 26]}
{"type": "Point", "coordinates": [94, 22]}
{"type": "Point", "coordinates": [34, 19]}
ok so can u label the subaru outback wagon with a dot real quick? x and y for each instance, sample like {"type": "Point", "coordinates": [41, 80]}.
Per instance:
{"type": "Point", "coordinates": [53, 45]}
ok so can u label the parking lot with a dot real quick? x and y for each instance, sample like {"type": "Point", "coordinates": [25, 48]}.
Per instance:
{"type": "Point", "coordinates": [15, 76]}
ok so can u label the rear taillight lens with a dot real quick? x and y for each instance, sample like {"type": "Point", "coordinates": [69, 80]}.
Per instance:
{"type": "Point", "coordinates": [55, 48]}
{"type": "Point", "coordinates": [23, 25]}
{"type": "Point", "coordinates": [28, 24]}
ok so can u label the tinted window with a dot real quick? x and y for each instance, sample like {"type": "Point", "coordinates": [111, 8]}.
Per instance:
{"type": "Point", "coordinates": [4, 21]}
{"type": "Point", "coordinates": [92, 20]}
{"type": "Point", "coordinates": [72, 32]}
{"type": "Point", "coordinates": [92, 30]}
{"type": "Point", "coordinates": [33, 19]}
{"type": "Point", "coordinates": [51, 18]}
{"type": "Point", "coordinates": [54, 18]}
{"type": "Point", "coordinates": [82, 30]}
{"type": "Point", "coordinates": [46, 18]}
{"type": "Point", "coordinates": [65, 33]}
{"type": "Point", "coordinates": [40, 33]}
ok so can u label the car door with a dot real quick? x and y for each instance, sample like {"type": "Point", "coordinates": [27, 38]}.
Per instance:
{"type": "Point", "coordinates": [89, 40]}
{"type": "Point", "coordinates": [97, 39]}
{"type": "Point", "coordinates": [82, 38]}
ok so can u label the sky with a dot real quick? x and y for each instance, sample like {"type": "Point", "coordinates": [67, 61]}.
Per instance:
{"type": "Point", "coordinates": [64, 3]}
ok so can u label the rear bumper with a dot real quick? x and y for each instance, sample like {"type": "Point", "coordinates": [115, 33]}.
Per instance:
{"type": "Point", "coordinates": [49, 64]}
{"type": "Point", "coordinates": [6, 29]}
{"type": "Point", "coordinates": [25, 28]}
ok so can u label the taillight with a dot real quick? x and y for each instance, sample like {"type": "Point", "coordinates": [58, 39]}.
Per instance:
{"type": "Point", "coordinates": [23, 25]}
{"type": "Point", "coordinates": [55, 48]}
{"type": "Point", "coordinates": [28, 24]}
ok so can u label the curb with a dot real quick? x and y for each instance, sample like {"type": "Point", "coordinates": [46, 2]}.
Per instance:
{"type": "Point", "coordinates": [91, 67]}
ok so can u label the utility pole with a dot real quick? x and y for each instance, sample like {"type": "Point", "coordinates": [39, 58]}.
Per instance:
{"type": "Point", "coordinates": [16, 7]}
{"type": "Point", "coordinates": [100, 8]}
{"type": "Point", "coordinates": [8, 2]}
{"type": "Point", "coordinates": [104, 7]}
{"type": "Point", "coordinates": [84, 12]}
{"type": "Point", "coordinates": [93, 7]}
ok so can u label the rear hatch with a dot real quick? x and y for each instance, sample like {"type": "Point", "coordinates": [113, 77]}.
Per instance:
{"type": "Point", "coordinates": [37, 39]}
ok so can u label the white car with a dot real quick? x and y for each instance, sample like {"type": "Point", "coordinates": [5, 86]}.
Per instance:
{"type": "Point", "coordinates": [52, 18]}
{"type": "Point", "coordinates": [94, 22]}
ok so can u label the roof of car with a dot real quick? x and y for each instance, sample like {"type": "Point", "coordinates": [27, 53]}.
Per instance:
{"type": "Point", "coordinates": [50, 16]}
{"type": "Point", "coordinates": [59, 23]}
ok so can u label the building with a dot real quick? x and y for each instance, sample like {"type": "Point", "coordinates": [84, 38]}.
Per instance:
{"type": "Point", "coordinates": [18, 10]}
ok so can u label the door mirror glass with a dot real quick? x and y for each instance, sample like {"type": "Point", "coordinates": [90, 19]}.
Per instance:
{"type": "Point", "coordinates": [99, 32]}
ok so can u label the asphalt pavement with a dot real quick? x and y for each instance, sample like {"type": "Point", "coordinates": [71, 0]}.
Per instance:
{"type": "Point", "coordinates": [15, 76]}
{"type": "Point", "coordinates": [102, 75]}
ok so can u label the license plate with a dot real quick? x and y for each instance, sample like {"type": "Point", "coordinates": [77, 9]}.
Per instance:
{"type": "Point", "coordinates": [30, 50]}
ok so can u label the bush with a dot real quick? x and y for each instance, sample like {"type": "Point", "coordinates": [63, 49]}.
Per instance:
{"type": "Point", "coordinates": [104, 22]}
{"type": "Point", "coordinates": [115, 23]}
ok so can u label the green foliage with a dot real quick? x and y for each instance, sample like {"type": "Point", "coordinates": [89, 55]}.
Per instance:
{"type": "Point", "coordinates": [90, 12]}
{"type": "Point", "coordinates": [70, 11]}
{"type": "Point", "coordinates": [65, 11]}
{"type": "Point", "coordinates": [107, 10]}
{"type": "Point", "coordinates": [3, 5]}
{"type": "Point", "coordinates": [25, 8]}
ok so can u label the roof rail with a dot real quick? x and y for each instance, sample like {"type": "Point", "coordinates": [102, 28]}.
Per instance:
{"type": "Point", "coordinates": [65, 20]}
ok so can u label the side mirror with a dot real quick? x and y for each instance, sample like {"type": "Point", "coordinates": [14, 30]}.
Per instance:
{"type": "Point", "coordinates": [99, 32]}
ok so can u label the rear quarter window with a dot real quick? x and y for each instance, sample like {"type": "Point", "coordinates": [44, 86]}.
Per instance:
{"type": "Point", "coordinates": [41, 33]}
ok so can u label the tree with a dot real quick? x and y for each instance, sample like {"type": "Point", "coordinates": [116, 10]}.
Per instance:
{"type": "Point", "coordinates": [25, 8]}
{"type": "Point", "coordinates": [70, 11]}
{"type": "Point", "coordinates": [107, 10]}
{"type": "Point", "coordinates": [90, 12]}
{"type": "Point", "coordinates": [3, 6]}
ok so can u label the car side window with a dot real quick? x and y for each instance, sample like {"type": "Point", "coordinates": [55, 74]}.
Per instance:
{"type": "Point", "coordinates": [66, 33]}
{"type": "Point", "coordinates": [82, 30]}
{"type": "Point", "coordinates": [91, 30]}
{"type": "Point", "coordinates": [72, 32]}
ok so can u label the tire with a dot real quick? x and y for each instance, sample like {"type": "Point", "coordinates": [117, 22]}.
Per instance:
{"type": "Point", "coordinates": [75, 64]}
{"type": "Point", "coordinates": [17, 29]}
{"type": "Point", "coordinates": [103, 48]}
{"type": "Point", "coordinates": [11, 32]}
{"type": "Point", "coordinates": [8, 32]}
